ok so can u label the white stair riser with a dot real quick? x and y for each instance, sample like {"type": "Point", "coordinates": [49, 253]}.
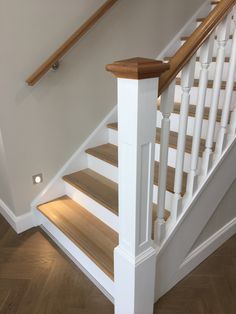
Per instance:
{"type": "Point", "coordinates": [172, 158]}
{"type": "Point", "coordinates": [168, 201]}
{"type": "Point", "coordinates": [111, 172]}
{"type": "Point", "coordinates": [92, 206]}
{"type": "Point", "coordinates": [231, 27]}
{"type": "Point", "coordinates": [113, 137]}
{"type": "Point", "coordinates": [174, 124]}
{"type": "Point", "coordinates": [194, 94]}
{"type": "Point", "coordinates": [211, 74]}
{"type": "Point", "coordinates": [227, 50]}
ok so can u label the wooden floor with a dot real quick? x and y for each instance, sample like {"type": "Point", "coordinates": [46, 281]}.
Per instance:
{"type": "Point", "coordinates": [36, 277]}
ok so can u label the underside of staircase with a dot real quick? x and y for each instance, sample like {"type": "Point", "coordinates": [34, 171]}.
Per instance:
{"type": "Point", "coordinates": [87, 214]}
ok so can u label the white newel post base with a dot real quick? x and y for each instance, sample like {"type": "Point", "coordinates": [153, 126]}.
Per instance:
{"type": "Point", "coordinates": [135, 257]}
{"type": "Point", "coordinates": [134, 290]}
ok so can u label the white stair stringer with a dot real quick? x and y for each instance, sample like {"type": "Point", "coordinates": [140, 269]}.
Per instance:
{"type": "Point", "coordinates": [182, 236]}
{"type": "Point", "coordinates": [78, 161]}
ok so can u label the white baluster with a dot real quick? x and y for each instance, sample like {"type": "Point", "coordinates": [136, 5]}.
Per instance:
{"type": "Point", "coordinates": [187, 78]}
{"type": "Point", "coordinates": [166, 107]}
{"type": "Point", "coordinates": [135, 257]}
{"type": "Point", "coordinates": [206, 53]}
{"type": "Point", "coordinates": [222, 135]}
{"type": "Point", "coordinates": [222, 39]}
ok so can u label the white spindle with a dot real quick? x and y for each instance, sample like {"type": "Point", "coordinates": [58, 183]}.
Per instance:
{"type": "Point", "coordinates": [187, 78]}
{"type": "Point", "coordinates": [206, 52]}
{"type": "Point", "coordinates": [222, 135]}
{"type": "Point", "coordinates": [222, 39]}
{"type": "Point", "coordinates": [135, 257]}
{"type": "Point", "coordinates": [166, 107]}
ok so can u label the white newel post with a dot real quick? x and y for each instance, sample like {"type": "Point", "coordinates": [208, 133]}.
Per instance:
{"type": "Point", "coordinates": [135, 257]}
{"type": "Point", "coordinates": [222, 39]}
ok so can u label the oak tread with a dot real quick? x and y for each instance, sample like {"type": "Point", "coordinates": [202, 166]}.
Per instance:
{"type": "Point", "coordinates": [210, 83]}
{"type": "Point", "coordinates": [96, 186]}
{"type": "Point", "coordinates": [109, 154]}
{"type": "Point", "coordinates": [192, 111]}
{"type": "Point", "coordinates": [173, 140]}
{"type": "Point", "coordinates": [100, 189]}
{"type": "Point", "coordinates": [90, 234]}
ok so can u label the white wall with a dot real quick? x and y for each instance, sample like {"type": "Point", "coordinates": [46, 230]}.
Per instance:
{"type": "Point", "coordinates": [5, 189]}
{"type": "Point", "coordinates": [225, 212]}
{"type": "Point", "coordinates": [42, 126]}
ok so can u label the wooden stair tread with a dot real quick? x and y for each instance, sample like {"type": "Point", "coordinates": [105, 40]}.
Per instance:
{"type": "Point", "coordinates": [100, 189]}
{"type": "Point", "coordinates": [192, 111]}
{"type": "Point", "coordinates": [109, 154]}
{"type": "Point", "coordinates": [210, 83]}
{"type": "Point", "coordinates": [173, 140]}
{"type": "Point", "coordinates": [87, 232]}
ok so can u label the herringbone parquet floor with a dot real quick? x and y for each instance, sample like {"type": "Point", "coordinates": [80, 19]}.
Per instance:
{"type": "Point", "coordinates": [37, 278]}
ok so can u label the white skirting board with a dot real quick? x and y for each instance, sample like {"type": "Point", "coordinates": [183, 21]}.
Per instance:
{"type": "Point", "coordinates": [18, 223]}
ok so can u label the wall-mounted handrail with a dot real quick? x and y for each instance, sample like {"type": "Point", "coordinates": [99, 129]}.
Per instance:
{"type": "Point", "coordinates": [69, 43]}
{"type": "Point", "coordinates": [194, 42]}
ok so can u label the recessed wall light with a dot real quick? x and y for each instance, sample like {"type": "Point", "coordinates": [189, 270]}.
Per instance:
{"type": "Point", "coordinates": [38, 178]}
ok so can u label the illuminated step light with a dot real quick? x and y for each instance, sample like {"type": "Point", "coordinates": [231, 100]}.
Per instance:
{"type": "Point", "coordinates": [38, 178]}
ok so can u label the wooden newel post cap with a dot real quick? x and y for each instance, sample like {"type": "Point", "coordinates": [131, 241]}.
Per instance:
{"type": "Point", "coordinates": [137, 68]}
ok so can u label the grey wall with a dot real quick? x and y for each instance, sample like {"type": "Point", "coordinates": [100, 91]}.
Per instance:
{"type": "Point", "coordinates": [224, 213]}
{"type": "Point", "coordinates": [42, 126]}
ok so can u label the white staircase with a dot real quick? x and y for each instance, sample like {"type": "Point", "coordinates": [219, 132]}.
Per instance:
{"type": "Point", "coordinates": [179, 142]}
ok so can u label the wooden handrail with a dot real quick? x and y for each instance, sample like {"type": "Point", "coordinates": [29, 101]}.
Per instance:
{"type": "Point", "coordinates": [194, 42]}
{"type": "Point", "coordinates": [70, 42]}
